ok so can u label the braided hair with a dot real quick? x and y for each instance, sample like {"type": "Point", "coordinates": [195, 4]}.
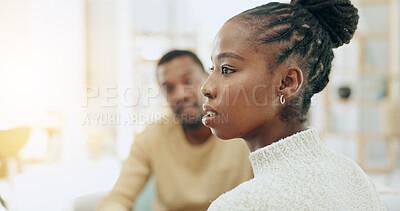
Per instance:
{"type": "Point", "coordinates": [307, 31]}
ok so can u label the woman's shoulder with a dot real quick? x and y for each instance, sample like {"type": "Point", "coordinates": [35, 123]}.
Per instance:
{"type": "Point", "coordinates": [254, 194]}
{"type": "Point", "coordinates": [347, 166]}
{"type": "Point", "coordinates": [335, 181]}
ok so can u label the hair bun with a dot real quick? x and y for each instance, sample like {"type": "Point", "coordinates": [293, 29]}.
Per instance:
{"type": "Point", "coordinates": [338, 17]}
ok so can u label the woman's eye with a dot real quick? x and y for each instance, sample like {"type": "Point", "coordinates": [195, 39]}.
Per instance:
{"type": "Point", "coordinates": [226, 70]}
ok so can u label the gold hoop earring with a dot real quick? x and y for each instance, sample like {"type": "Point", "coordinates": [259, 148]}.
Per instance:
{"type": "Point", "coordinates": [283, 100]}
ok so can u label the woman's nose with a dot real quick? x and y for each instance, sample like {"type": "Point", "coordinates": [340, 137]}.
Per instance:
{"type": "Point", "coordinates": [208, 89]}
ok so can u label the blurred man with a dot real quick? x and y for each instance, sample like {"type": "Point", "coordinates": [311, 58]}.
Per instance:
{"type": "Point", "coordinates": [191, 166]}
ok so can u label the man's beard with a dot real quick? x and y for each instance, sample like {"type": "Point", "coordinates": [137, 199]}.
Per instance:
{"type": "Point", "coordinates": [192, 124]}
{"type": "Point", "coordinates": [190, 121]}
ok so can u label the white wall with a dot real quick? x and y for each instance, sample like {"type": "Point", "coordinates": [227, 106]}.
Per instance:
{"type": "Point", "coordinates": [15, 70]}
{"type": "Point", "coordinates": [42, 70]}
{"type": "Point", "coordinates": [42, 58]}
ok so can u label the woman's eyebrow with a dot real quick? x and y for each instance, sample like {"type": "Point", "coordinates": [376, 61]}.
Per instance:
{"type": "Point", "coordinates": [230, 55]}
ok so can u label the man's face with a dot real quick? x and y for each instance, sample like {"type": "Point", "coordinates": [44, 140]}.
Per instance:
{"type": "Point", "coordinates": [181, 79]}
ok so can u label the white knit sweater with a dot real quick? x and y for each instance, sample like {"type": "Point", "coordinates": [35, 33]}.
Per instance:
{"type": "Point", "coordinates": [299, 173]}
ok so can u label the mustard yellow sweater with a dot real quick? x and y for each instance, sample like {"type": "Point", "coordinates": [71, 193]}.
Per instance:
{"type": "Point", "coordinates": [188, 177]}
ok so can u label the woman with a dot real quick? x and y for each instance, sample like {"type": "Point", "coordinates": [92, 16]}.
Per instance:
{"type": "Point", "coordinates": [267, 64]}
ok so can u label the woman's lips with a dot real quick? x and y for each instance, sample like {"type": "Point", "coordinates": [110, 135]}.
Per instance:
{"type": "Point", "coordinates": [211, 116]}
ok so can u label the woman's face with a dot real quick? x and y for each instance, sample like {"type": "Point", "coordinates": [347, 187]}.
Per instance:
{"type": "Point", "coordinates": [241, 93]}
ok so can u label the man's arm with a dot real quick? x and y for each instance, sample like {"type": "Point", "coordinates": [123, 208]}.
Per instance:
{"type": "Point", "coordinates": [135, 172]}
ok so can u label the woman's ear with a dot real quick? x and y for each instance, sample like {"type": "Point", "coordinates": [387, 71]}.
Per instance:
{"type": "Point", "coordinates": [291, 81]}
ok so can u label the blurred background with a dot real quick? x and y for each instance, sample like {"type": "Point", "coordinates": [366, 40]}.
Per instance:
{"type": "Point", "coordinates": [77, 81]}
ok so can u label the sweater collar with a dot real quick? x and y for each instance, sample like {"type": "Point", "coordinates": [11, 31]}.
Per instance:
{"type": "Point", "coordinates": [300, 147]}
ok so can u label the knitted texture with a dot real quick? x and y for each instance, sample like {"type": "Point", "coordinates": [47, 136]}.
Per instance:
{"type": "Point", "coordinates": [299, 173]}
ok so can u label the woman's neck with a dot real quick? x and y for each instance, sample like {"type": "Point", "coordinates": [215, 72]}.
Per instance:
{"type": "Point", "coordinates": [270, 133]}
